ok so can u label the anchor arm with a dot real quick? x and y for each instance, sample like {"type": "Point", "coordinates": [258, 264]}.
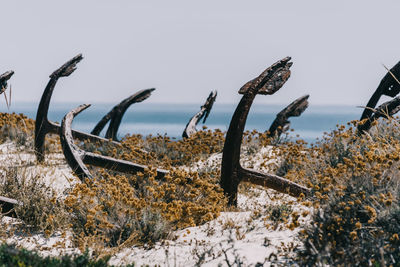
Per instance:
{"type": "Point", "coordinates": [205, 110]}
{"type": "Point", "coordinates": [120, 110]}
{"type": "Point", "coordinates": [77, 158]}
{"type": "Point", "coordinates": [294, 109]}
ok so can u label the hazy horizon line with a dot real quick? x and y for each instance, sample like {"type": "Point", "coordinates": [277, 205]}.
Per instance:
{"type": "Point", "coordinates": [186, 103]}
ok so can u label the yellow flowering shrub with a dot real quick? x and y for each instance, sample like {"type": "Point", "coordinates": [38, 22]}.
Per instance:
{"type": "Point", "coordinates": [355, 181]}
{"type": "Point", "coordinates": [16, 127]}
{"type": "Point", "coordinates": [163, 151]}
{"type": "Point", "coordinates": [17, 120]}
{"type": "Point", "coordinates": [21, 129]}
{"type": "Point", "coordinates": [114, 209]}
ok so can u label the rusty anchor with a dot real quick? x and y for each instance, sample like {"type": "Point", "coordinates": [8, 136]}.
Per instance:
{"type": "Point", "coordinates": [389, 87]}
{"type": "Point", "coordinates": [3, 85]}
{"type": "Point", "coordinates": [232, 173]}
{"type": "Point", "coordinates": [205, 110]}
{"type": "Point", "coordinates": [4, 79]}
{"type": "Point", "coordinates": [43, 126]}
{"type": "Point", "coordinates": [77, 158]}
{"type": "Point", "coordinates": [385, 110]}
{"type": "Point", "coordinates": [281, 122]}
{"type": "Point", "coordinates": [117, 112]}
{"type": "Point", "coordinates": [7, 206]}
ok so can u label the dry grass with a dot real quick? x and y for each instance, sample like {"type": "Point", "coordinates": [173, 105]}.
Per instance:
{"type": "Point", "coordinates": [120, 210]}
{"type": "Point", "coordinates": [41, 209]}
{"type": "Point", "coordinates": [355, 183]}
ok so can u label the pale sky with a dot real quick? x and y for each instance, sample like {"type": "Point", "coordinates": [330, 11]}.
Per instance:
{"type": "Point", "coordinates": [187, 48]}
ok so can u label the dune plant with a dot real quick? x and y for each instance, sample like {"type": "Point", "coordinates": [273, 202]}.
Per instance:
{"type": "Point", "coordinates": [168, 152]}
{"type": "Point", "coordinates": [12, 256]}
{"type": "Point", "coordinates": [41, 210]}
{"type": "Point", "coordinates": [125, 210]}
{"type": "Point", "coordinates": [16, 127]}
{"type": "Point", "coordinates": [356, 185]}
{"type": "Point", "coordinates": [354, 179]}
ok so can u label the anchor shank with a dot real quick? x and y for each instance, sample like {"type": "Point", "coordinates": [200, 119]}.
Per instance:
{"type": "Point", "coordinates": [273, 181]}
{"type": "Point", "coordinates": [117, 165]}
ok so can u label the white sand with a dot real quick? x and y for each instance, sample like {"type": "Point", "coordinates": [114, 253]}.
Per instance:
{"type": "Point", "coordinates": [242, 235]}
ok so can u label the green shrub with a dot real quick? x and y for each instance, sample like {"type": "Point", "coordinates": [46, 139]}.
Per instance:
{"type": "Point", "coordinates": [11, 256]}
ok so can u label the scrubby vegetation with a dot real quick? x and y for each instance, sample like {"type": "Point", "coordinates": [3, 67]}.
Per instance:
{"type": "Point", "coordinates": [11, 256]}
{"type": "Point", "coordinates": [167, 153]}
{"type": "Point", "coordinates": [121, 211]}
{"type": "Point", "coordinates": [355, 180]}
{"type": "Point", "coordinates": [40, 209]}
{"type": "Point", "coordinates": [16, 127]}
{"type": "Point", "coordinates": [117, 210]}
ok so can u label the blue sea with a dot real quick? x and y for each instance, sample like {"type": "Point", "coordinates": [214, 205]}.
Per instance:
{"type": "Point", "coordinates": [171, 119]}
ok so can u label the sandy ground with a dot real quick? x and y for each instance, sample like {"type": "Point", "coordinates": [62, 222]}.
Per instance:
{"type": "Point", "coordinates": [246, 236]}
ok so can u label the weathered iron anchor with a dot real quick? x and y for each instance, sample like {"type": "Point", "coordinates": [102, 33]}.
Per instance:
{"type": "Point", "coordinates": [232, 173]}
{"type": "Point", "coordinates": [281, 122]}
{"type": "Point", "coordinates": [117, 112]}
{"type": "Point", "coordinates": [388, 86]}
{"type": "Point", "coordinates": [3, 84]}
{"type": "Point", "coordinates": [43, 126]}
{"type": "Point", "coordinates": [77, 158]}
{"type": "Point", "coordinates": [6, 204]}
{"type": "Point", "coordinates": [205, 110]}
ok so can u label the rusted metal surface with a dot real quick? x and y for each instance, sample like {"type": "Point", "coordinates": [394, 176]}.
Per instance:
{"type": "Point", "coordinates": [3, 85]}
{"type": "Point", "coordinates": [77, 158]}
{"type": "Point", "coordinates": [7, 206]}
{"type": "Point", "coordinates": [272, 181]}
{"type": "Point", "coordinates": [270, 81]}
{"type": "Point", "coordinates": [385, 110]}
{"type": "Point", "coordinates": [72, 153]}
{"type": "Point", "coordinates": [4, 79]}
{"type": "Point", "coordinates": [42, 125]}
{"type": "Point", "coordinates": [281, 122]}
{"type": "Point", "coordinates": [116, 114]}
{"type": "Point", "coordinates": [202, 114]}
{"type": "Point", "coordinates": [389, 87]}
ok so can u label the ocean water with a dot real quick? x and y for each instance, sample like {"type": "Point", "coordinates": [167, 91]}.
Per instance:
{"type": "Point", "coordinates": [171, 119]}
